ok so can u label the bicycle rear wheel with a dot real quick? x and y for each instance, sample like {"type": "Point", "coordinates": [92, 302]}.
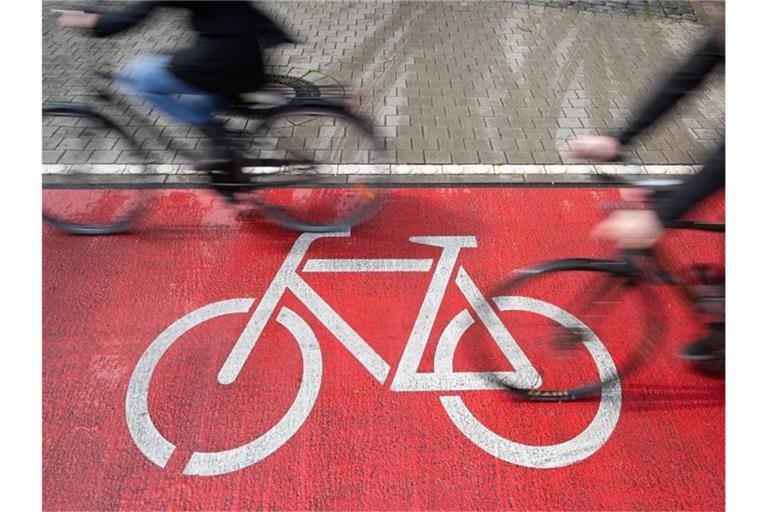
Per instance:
{"type": "Point", "coordinates": [87, 198]}
{"type": "Point", "coordinates": [293, 166]}
{"type": "Point", "coordinates": [600, 325]}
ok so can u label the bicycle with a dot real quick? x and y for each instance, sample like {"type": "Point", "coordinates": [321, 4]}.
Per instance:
{"type": "Point", "coordinates": [281, 142]}
{"type": "Point", "coordinates": [618, 299]}
{"type": "Point", "coordinates": [446, 378]}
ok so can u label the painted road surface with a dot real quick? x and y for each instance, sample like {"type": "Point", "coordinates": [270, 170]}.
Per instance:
{"type": "Point", "coordinates": [211, 362]}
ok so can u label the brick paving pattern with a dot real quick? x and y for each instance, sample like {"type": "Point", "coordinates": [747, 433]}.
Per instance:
{"type": "Point", "coordinates": [446, 82]}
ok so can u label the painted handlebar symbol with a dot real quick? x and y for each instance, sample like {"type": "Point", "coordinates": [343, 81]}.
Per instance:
{"type": "Point", "coordinates": [407, 378]}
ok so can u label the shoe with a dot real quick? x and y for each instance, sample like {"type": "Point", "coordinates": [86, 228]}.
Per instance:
{"type": "Point", "coordinates": [226, 183]}
{"type": "Point", "coordinates": [709, 348]}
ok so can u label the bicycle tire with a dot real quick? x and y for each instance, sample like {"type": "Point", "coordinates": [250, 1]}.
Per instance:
{"type": "Point", "coordinates": [82, 200]}
{"type": "Point", "coordinates": [298, 192]}
{"type": "Point", "coordinates": [566, 356]}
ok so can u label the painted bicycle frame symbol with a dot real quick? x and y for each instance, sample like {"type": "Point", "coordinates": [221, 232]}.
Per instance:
{"type": "Point", "coordinates": [407, 378]}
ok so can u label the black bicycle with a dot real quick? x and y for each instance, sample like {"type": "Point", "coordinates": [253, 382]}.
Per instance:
{"type": "Point", "coordinates": [281, 147]}
{"type": "Point", "coordinates": [604, 318]}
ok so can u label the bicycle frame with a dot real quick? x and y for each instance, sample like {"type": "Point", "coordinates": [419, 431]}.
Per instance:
{"type": "Point", "coordinates": [662, 262]}
{"type": "Point", "coordinates": [406, 378]}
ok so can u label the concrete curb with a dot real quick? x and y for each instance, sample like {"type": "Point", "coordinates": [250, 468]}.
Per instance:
{"type": "Point", "coordinates": [382, 174]}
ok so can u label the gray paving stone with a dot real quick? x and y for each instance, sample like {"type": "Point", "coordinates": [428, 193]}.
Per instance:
{"type": "Point", "coordinates": [52, 156]}
{"type": "Point", "coordinates": [156, 144]}
{"type": "Point", "coordinates": [410, 131]}
{"type": "Point", "coordinates": [477, 144]}
{"type": "Point", "coordinates": [472, 122]}
{"type": "Point", "coordinates": [451, 144]}
{"type": "Point", "coordinates": [101, 143]}
{"type": "Point", "coordinates": [492, 157]}
{"type": "Point", "coordinates": [354, 156]}
{"type": "Point", "coordinates": [546, 157]}
{"type": "Point", "coordinates": [570, 122]}
{"type": "Point", "coordinates": [74, 156]}
{"type": "Point", "coordinates": [529, 144]}
{"type": "Point", "coordinates": [465, 157]}
{"type": "Point", "coordinates": [497, 122]}
{"type": "Point", "coordinates": [400, 143]}
{"type": "Point", "coordinates": [51, 142]}
{"type": "Point", "coordinates": [437, 157]}
{"type": "Point", "coordinates": [104, 157]}
{"type": "Point", "coordinates": [383, 157]}
{"type": "Point", "coordinates": [548, 122]}
{"type": "Point", "coordinates": [421, 144]}
{"type": "Point", "coordinates": [677, 156]}
{"type": "Point", "coordinates": [652, 156]}
{"type": "Point", "coordinates": [411, 157]}
{"type": "Point", "coordinates": [704, 133]}
{"type": "Point", "coordinates": [519, 157]}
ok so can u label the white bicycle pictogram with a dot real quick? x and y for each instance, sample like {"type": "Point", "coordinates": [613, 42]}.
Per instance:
{"type": "Point", "coordinates": [407, 378]}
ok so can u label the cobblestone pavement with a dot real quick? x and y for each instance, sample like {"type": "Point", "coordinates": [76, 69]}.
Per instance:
{"type": "Point", "coordinates": [446, 82]}
{"type": "Point", "coordinates": [645, 8]}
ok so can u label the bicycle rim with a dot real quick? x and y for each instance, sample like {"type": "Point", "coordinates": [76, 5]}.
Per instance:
{"type": "Point", "coordinates": [601, 327]}
{"type": "Point", "coordinates": [87, 198]}
{"type": "Point", "coordinates": [302, 189]}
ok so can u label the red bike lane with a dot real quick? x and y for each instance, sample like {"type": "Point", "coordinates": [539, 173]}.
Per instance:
{"type": "Point", "coordinates": [136, 329]}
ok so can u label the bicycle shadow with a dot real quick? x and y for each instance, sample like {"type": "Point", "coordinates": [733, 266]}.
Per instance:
{"type": "Point", "coordinates": [641, 398]}
{"type": "Point", "coordinates": [231, 222]}
{"type": "Point", "coordinates": [200, 215]}
{"type": "Point", "coordinates": [433, 214]}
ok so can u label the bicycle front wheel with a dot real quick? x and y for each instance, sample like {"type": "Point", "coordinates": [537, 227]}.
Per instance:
{"type": "Point", "coordinates": [583, 324]}
{"type": "Point", "coordinates": [80, 195]}
{"type": "Point", "coordinates": [305, 161]}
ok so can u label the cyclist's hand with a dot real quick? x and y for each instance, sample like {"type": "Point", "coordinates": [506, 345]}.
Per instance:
{"type": "Point", "coordinates": [594, 147]}
{"type": "Point", "coordinates": [631, 229]}
{"type": "Point", "coordinates": [636, 196]}
{"type": "Point", "coordinates": [78, 20]}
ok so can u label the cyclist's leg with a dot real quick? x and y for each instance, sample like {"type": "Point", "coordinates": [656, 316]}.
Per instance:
{"type": "Point", "coordinates": [708, 349]}
{"type": "Point", "coordinates": [710, 300]}
{"type": "Point", "coordinates": [712, 345]}
{"type": "Point", "coordinates": [150, 78]}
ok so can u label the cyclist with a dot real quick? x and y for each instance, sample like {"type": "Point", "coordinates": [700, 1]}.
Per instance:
{"type": "Point", "coordinates": [224, 60]}
{"type": "Point", "coordinates": [642, 228]}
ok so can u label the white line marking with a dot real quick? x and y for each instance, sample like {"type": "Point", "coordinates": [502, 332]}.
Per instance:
{"type": "Point", "coordinates": [348, 337]}
{"type": "Point", "coordinates": [368, 265]}
{"type": "Point", "coordinates": [420, 169]}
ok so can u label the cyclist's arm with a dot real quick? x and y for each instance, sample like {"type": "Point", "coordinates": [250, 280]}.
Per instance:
{"type": "Point", "coordinates": [270, 32]}
{"type": "Point", "coordinates": [710, 179]}
{"type": "Point", "coordinates": [110, 23]}
{"type": "Point", "coordinates": [686, 78]}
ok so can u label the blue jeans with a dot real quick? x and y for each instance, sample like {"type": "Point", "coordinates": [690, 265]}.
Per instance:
{"type": "Point", "coordinates": [150, 78]}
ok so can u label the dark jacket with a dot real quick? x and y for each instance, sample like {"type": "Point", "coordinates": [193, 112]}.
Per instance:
{"type": "Point", "coordinates": [226, 56]}
{"type": "Point", "coordinates": [686, 78]}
